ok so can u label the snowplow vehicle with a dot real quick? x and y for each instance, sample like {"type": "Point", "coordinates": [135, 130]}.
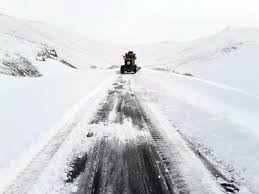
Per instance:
{"type": "Point", "coordinates": [129, 63]}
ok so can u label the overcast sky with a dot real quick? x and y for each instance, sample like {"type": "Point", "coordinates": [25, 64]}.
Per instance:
{"type": "Point", "coordinates": [138, 21]}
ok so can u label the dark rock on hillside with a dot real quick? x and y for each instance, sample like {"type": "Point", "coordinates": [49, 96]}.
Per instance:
{"type": "Point", "coordinates": [18, 66]}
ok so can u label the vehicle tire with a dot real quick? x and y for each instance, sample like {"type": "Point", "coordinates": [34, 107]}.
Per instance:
{"type": "Point", "coordinates": [122, 69]}
{"type": "Point", "coordinates": [135, 69]}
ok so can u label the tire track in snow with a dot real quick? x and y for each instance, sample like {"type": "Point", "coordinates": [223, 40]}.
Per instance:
{"type": "Point", "coordinates": [133, 166]}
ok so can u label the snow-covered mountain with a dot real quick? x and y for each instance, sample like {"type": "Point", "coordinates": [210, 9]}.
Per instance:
{"type": "Point", "coordinates": [229, 57]}
{"type": "Point", "coordinates": [21, 41]}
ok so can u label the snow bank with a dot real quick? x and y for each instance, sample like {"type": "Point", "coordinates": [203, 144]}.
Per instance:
{"type": "Point", "coordinates": [29, 106]}
{"type": "Point", "coordinates": [219, 120]}
{"type": "Point", "coordinates": [231, 103]}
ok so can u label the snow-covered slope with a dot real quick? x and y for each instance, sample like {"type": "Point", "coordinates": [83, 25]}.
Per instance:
{"type": "Point", "coordinates": [31, 107]}
{"type": "Point", "coordinates": [229, 57]}
{"type": "Point", "coordinates": [21, 38]}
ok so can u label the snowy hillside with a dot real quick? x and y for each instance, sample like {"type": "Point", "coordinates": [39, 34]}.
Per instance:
{"type": "Point", "coordinates": [21, 41]}
{"type": "Point", "coordinates": [229, 57]}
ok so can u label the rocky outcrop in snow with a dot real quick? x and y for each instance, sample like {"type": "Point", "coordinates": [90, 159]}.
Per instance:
{"type": "Point", "coordinates": [47, 52]}
{"type": "Point", "coordinates": [18, 65]}
{"type": "Point", "coordinates": [61, 51]}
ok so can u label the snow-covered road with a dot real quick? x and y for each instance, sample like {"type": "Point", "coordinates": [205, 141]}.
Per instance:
{"type": "Point", "coordinates": [126, 146]}
{"type": "Point", "coordinates": [93, 130]}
